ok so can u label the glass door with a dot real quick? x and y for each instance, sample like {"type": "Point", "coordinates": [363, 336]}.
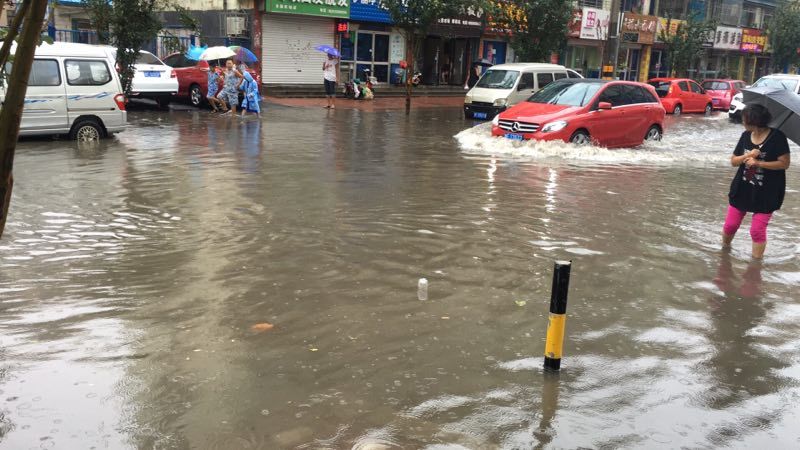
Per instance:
{"type": "Point", "coordinates": [372, 52]}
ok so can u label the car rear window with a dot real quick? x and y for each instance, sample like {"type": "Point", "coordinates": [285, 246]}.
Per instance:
{"type": "Point", "coordinates": [148, 58]}
{"type": "Point", "coordinates": [662, 87]}
{"type": "Point", "coordinates": [716, 85]}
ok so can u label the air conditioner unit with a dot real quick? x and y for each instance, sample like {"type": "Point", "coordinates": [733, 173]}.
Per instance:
{"type": "Point", "coordinates": [236, 26]}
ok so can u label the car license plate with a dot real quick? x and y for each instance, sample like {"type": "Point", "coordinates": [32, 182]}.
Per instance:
{"type": "Point", "coordinates": [152, 74]}
{"type": "Point", "coordinates": [480, 115]}
{"type": "Point", "coordinates": [514, 136]}
{"type": "Point", "coordinates": [715, 100]}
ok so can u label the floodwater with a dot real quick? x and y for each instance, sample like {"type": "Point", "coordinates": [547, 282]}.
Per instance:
{"type": "Point", "coordinates": [132, 274]}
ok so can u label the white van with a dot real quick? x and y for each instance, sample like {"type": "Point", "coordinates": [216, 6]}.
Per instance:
{"type": "Point", "coordinates": [506, 85]}
{"type": "Point", "coordinates": [73, 89]}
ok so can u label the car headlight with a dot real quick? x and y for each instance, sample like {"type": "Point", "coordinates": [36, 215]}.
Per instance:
{"type": "Point", "coordinates": [467, 100]}
{"type": "Point", "coordinates": [500, 102]}
{"type": "Point", "coordinates": [738, 97]}
{"type": "Point", "coordinates": [496, 120]}
{"type": "Point", "coordinates": [558, 125]}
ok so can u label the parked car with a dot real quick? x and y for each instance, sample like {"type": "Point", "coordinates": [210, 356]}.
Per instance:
{"type": "Point", "coordinates": [193, 78]}
{"type": "Point", "coordinates": [780, 80]}
{"type": "Point", "coordinates": [682, 95]}
{"type": "Point", "coordinates": [506, 85]}
{"type": "Point", "coordinates": [582, 111]}
{"type": "Point", "coordinates": [74, 90]}
{"type": "Point", "coordinates": [722, 91]}
{"type": "Point", "coordinates": [152, 79]}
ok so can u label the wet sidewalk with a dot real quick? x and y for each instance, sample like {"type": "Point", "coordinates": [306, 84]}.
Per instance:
{"type": "Point", "coordinates": [378, 104]}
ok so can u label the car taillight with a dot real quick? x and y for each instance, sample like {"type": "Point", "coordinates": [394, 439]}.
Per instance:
{"type": "Point", "coordinates": [671, 88]}
{"type": "Point", "coordinates": [120, 101]}
{"type": "Point", "coordinates": [173, 74]}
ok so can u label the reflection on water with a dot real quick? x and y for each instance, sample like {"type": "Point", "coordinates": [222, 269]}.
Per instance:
{"type": "Point", "coordinates": [132, 272]}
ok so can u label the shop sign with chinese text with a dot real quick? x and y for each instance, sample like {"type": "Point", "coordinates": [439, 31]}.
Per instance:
{"type": "Point", "coordinates": [753, 41]}
{"type": "Point", "coordinates": [728, 38]}
{"type": "Point", "coordinates": [325, 8]}
{"type": "Point", "coordinates": [594, 24]}
{"type": "Point", "coordinates": [639, 29]}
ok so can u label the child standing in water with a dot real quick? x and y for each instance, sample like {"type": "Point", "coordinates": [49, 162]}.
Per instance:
{"type": "Point", "coordinates": [213, 88]}
{"type": "Point", "coordinates": [251, 100]}
{"type": "Point", "coordinates": [230, 87]}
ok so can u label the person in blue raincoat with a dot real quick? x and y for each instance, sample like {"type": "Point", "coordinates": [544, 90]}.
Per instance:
{"type": "Point", "coordinates": [252, 101]}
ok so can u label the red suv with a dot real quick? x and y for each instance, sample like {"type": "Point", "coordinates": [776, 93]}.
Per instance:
{"type": "Point", "coordinates": [680, 95]}
{"type": "Point", "coordinates": [193, 77]}
{"type": "Point", "coordinates": [583, 111]}
{"type": "Point", "coordinates": [722, 91]}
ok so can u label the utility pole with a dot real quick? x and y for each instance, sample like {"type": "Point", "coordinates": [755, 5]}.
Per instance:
{"type": "Point", "coordinates": [616, 7]}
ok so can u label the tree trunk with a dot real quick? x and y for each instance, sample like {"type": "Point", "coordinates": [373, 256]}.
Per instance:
{"type": "Point", "coordinates": [11, 114]}
{"type": "Point", "coordinates": [13, 30]}
{"type": "Point", "coordinates": [409, 70]}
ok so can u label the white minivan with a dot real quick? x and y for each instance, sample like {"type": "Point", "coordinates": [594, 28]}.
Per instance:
{"type": "Point", "coordinates": [506, 85]}
{"type": "Point", "coordinates": [74, 90]}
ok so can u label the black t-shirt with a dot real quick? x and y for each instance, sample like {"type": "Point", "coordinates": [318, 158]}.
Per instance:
{"type": "Point", "coordinates": [760, 190]}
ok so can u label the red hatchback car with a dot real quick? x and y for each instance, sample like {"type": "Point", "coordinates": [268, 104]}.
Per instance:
{"type": "Point", "coordinates": [193, 77]}
{"type": "Point", "coordinates": [583, 111]}
{"type": "Point", "coordinates": [680, 95]}
{"type": "Point", "coordinates": [722, 91]}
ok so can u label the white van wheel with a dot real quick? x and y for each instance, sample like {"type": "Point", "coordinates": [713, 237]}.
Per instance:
{"type": "Point", "coordinates": [86, 130]}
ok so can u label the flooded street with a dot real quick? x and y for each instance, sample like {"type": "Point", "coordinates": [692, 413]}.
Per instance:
{"type": "Point", "coordinates": [132, 274]}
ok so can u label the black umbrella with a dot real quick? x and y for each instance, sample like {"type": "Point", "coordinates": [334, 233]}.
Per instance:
{"type": "Point", "coordinates": [483, 63]}
{"type": "Point", "coordinates": [783, 105]}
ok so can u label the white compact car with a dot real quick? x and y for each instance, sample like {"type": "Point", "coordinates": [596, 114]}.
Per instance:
{"type": "Point", "coordinates": [74, 90]}
{"type": "Point", "coordinates": [788, 82]}
{"type": "Point", "coordinates": [152, 79]}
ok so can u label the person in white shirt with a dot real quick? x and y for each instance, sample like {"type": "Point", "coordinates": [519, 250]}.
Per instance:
{"type": "Point", "coordinates": [329, 71]}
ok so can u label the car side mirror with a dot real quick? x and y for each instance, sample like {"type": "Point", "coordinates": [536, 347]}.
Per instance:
{"type": "Point", "coordinates": [604, 105]}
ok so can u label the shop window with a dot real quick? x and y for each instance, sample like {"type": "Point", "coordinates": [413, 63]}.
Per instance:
{"type": "Point", "coordinates": [348, 48]}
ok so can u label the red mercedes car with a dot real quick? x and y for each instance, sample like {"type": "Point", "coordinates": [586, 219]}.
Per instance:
{"type": "Point", "coordinates": [680, 95]}
{"type": "Point", "coordinates": [583, 111]}
{"type": "Point", "coordinates": [722, 91]}
{"type": "Point", "coordinates": [193, 77]}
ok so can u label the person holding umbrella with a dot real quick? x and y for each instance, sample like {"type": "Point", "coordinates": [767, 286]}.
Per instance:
{"type": "Point", "coordinates": [330, 70]}
{"type": "Point", "coordinates": [759, 187]}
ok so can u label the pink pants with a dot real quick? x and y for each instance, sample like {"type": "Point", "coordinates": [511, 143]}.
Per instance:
{"type": "Point", "coordinates": [758, 229]}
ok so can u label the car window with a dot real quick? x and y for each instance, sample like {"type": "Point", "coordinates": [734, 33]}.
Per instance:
{"type": "Point", "coordinates": [716, 85]}
{"type": "Point", "coordinates": [543, 79]}
{"type": "Point", "coordinates": [175, 60]}
{"type": "Point", "coordinates": [86, 72]}
{"type": "Point", "coordinates": [782, 83]}
{"type": "Point", "coordinates": [148, 58]}
{"type": "Point", "coordinates": [662, 87]}
{"type": "Point", "coordinates": [684, 86]}
{"type": "Point", "coordinates": [636, 94]}
{"type": "Point", "coordinates": [526, 82]}
{"type": "Point", "coordinates": [646, 96]}
{"type": "Point", "coordinates": [615, 95]}
{"type": "Point", "coordinates": [560, 76]}
{"type": "Point", "coordinates": [696, 88]}
{"type": "Point", "coordinates": [566, 93]}
{"type": "Point", "coordinates": [573, 74]}
{"type": "Point", "coordinates": [498, 79]}
{"type": "Point", "coordinates": [44, 72]}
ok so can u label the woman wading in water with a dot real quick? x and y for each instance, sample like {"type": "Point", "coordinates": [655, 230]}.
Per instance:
{"type": "Point", "coordinates": [759, 186]}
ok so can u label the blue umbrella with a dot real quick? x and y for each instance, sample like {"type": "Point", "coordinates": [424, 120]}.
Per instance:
{"type": "Point", "coordinates": [194, 52]}
{"type": "Point", "coordinates": [244, 55]}
{"type": "Point", "coordinates": [329, 50]}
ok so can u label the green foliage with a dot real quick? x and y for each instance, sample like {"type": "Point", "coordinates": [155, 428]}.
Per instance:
{"type": "Point", "coordinates": [538, 27]}
{"type": "Point", "coordinates": [784, 35]}
{"type": "Point", "coordinates": [126, 25]}
{"type": "Point", "coordinates": [685, 46]}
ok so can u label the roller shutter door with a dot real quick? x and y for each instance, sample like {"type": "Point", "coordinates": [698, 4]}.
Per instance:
{"type": "Point", "coordinates": [288, 48]}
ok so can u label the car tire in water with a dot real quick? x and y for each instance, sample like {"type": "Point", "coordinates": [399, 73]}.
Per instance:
{"type": "Point", "coordinates": [653, 134]}
{"type": "Point", "coordinates": [163, 102]}
{"type": "Point", "coordinates": [87, 130]}
{"type": "Point", "coordinates": [580, 137]}
{"type": "Point", "coordinates": [708, 110]}
{"type": "Point", "coordinates": [678, 110]}
{"type": "Point", "coordinates": [195, 96]}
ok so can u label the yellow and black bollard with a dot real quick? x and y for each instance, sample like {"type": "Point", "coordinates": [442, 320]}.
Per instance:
{"type": "Point", "coordinates": [558, 315]}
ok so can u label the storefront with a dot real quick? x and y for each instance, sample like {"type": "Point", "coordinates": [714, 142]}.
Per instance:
{"type": "Point", "coordinates": [450, 48]}
{"type": "Point", "coordinates": [753, 46]}
{"type": "Point", "coordinates": [637, 37]}
{"type": "Point", "coordinates": [588, 31]}
{"type": "Point", "coordinates": [371, 43]}
{"type": "Point", "coordinates": [290, 31]}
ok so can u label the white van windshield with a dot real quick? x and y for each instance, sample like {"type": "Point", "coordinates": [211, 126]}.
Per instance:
{"type": "Point", "coordinates": [498, 79]}
{"type": "Point", "coordinates": [781, 83]}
